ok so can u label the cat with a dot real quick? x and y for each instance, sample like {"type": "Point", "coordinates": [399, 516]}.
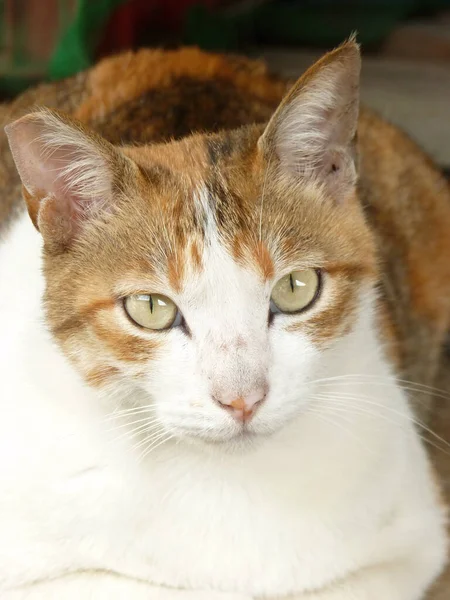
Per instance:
{"type": "Point", "coordinates": [205, 336]}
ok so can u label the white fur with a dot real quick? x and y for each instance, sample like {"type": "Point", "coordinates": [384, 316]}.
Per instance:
{"type": "Point", "coordinates": [339, 502]}
{"type": "Point", "coordinates": [305, 129]}
{"type": "Point", "coordinates": [317, 121]}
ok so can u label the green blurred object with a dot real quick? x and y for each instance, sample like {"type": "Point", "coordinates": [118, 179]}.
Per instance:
{"type": "Point", "coordinates": [24, 44]}
{"type": "Point", "coordinates": [76, 48]}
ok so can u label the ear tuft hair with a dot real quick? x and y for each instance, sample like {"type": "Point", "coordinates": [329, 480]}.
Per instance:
{"type": "Point", "coordinates": [313, 130]}
{"type": "Point", "coordinates": [59, 159]}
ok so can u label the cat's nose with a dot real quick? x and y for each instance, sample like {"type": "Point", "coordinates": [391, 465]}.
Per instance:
{"type": "Point", "coordinates": [242, 408]}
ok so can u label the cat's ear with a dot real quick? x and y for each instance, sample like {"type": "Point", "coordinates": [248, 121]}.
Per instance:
{"type": "Point", "coordinates": [67, 172]}
{"type": "Point", "coordinates": [312, 133]}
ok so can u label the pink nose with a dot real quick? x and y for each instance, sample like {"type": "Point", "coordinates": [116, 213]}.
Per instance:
{"type": "Point", "coordinates": [242, 407]}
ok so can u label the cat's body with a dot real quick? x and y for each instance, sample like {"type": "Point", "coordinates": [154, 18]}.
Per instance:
{"type": "Point", "coordinates": [340, 497]}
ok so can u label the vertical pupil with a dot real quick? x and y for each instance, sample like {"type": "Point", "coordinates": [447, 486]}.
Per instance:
{"type": "Point", "coordinates": [291, 281]}
{"type": "Point", "coordinates": [151, 304]}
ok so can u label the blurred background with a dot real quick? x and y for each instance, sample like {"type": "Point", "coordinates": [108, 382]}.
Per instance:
{"type": "Point", "coordinates": [406, 44]}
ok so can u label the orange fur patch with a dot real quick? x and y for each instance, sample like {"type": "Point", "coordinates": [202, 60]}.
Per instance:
{"type": "Point", "coordinates": [101, 376]}
{"type": "Point", "coordinates": [264, 260]}
{"type": "Point", "coordinates": [152, 69]}
{"type": "Point", "coordinates": [124, 346]}
{"type": "Point", "coordinates": [91, 309]}
{"type": "Point", "coordinates": [196, 256]}
{"type": "Point", "coordinates": [33, 202]}
{"type": "Point", "coordinates": [175, 271]}
{"type": "Point", "coordinates": [332, 322]}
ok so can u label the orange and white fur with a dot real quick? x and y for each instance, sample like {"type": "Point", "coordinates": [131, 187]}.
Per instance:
{"type": "Point", "coordinates": [205, 449]}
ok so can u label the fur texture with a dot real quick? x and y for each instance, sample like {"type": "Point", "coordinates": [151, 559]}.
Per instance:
{"type": "Point", "coordinates": [125, 474]}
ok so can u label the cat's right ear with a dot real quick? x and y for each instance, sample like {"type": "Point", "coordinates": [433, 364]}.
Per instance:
{"type": "Point", "coordinates": [68, 173]}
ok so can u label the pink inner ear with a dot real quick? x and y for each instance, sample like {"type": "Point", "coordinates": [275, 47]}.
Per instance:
{"type": "Point", "coordinates": [65, 171]}
{"type": "Point", "coordinates": [58, 159]}
{"type": "Point", "coordinates": [317, 120]}
{"type": "Point", "coordinates": [62, 178]}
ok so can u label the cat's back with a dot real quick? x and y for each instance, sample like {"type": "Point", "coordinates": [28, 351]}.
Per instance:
{"type": "Point", "coordinates": [407, 202]}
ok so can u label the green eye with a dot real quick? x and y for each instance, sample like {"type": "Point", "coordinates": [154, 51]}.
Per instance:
{"type": "Point", "coordinates": [296, 292]}
{"type": "Point", "coordinates": [152, 311]}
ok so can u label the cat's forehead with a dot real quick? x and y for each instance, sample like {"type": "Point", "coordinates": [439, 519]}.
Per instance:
{"type": "Point", "coordinates": [207, 195]}
{"type": "Point", "coordinates": [198, 155]}
{"type": "Point", "coordinates": [221, 179]}
{"type": "Point", "coordinates": [199, 188]}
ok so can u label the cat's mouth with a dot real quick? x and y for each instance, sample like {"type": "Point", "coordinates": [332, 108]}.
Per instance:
{"type": "Point", "coordinates": [242, 440]}
{"type": "Point", "coordinates": [242, 436]}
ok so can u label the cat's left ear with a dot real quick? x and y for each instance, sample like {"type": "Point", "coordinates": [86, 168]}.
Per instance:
{"type": "Point", "coordinates": [69, 174]}
{"type": "Point", "coordinates": [312, 133]}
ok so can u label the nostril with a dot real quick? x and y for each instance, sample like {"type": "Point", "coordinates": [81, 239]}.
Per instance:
{"type": "Point", "coordinates": [254, 398]}
{"type": "Point", "coordinates": [232, 407]}
{"type": "Point", "coordinates": [238, 403]}
{"type": "Point", "coordinates": [242, 407]}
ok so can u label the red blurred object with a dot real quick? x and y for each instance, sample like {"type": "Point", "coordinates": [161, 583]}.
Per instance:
{"type": "Point", "coordinates": [28, 34]}
{"type": "Point", "coordinates": [129, 20]}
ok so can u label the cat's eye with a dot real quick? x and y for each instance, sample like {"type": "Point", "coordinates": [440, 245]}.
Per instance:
{"type": "Point", "coordinates": [295, 292]}
{"type": "Point", "coordinates": [152, 311]}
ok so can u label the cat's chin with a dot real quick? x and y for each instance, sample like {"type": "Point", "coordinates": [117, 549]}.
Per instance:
{"type": "Point", "coordinates": [243, 441]}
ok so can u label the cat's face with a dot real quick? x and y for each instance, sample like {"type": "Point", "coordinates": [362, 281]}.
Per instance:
{"type": "Point", "coordinates": [206, 278]}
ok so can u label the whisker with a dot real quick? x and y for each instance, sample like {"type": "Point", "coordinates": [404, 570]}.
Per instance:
{"type": "Point", "coordinates": [131, 411]}
{"type": "Point", "coordinates": [155, 433]}
{"type": "Point", "coordinates": [132, 423]}
{"type": "Point", "coordinates": [382, 380]}
{"type": "Point", "coordinates": [422, 437]}
{"type": "Point", "coordinates": [324, 418]}
{"type": "Point", "coordinates": [392, 421]}
{"type": "Point", "coordinates": [132, 433]}
{"type": "Point", "coordinates": [369, 401]}
{"type": "Point", "coordinates": [165, 438]}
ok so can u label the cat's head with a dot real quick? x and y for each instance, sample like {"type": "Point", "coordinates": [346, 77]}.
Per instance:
{"type": "Point", "coordinates": [209, 278]}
